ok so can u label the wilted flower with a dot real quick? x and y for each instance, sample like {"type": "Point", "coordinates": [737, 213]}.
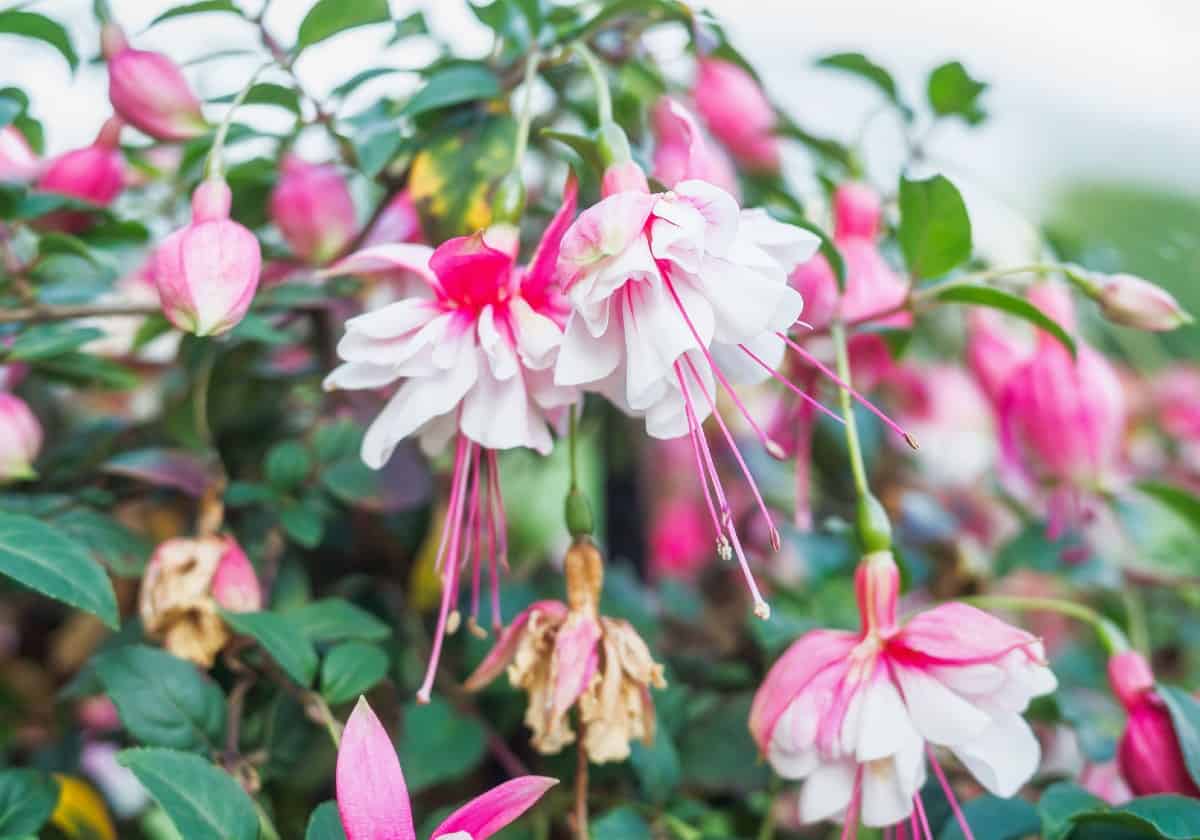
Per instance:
{"type": "Point", "coordinates": [20, 438]}
{"type": "Point", "coordinates": [207, 272]}
{"type": "Point", "coordinates": [856, 715]}
{"type": "Point", "coordinates": [475, 350]}
{"type": "Point", "coordinates": [95, 174]}
{"type": "Point", "coordinates": [737, 113]}
{"type": "Point", "coordinates": [17, 160]}
{"type": "Point", "coordinates": [312, 207]}
{"type": "Point", "coordinates": [372, 798]}
{"type": "Point", "coordinates": [681, 154]}
{"type": "Point", "coordinates": [1149, 754]}
{"type": "Point", "coordinates": [185, 581]}
{"type": "Point", "coordinates": [149, 91]}
{"type": "Point", "coordinates": [566, 655]}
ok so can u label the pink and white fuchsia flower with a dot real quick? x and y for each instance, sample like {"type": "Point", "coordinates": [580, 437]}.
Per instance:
{"type": "Point", "coordinates": [856, 715]}
{"type": "Point", "coordinates": [372, 798]}
{"type": "Point", "coordinates": [475, 350]}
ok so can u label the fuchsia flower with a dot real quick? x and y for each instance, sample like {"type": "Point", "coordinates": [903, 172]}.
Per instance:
{"type": "Point", "coordinates": [207, 272]}
{"type": "Point", "coordinates": [235, 585]}
{"type": "Point", "coordinates": [17, 160]}
{"type": "Point", "coordinates": [1062, 421]}
{"type": "Point", "coordinates": [372, 797]}
{"type": "Point", "coordinates": [1149, 754]}
{"type": "Point", "coordinates": [737, 113]}
{"type": "Point", "coordinates": [475, 350]}
{"type": "Point", "coordinates": [149, 91]}
{"type": "Point", "coordinates": [856, 715]}
{"type": "Point", "coordinates": [312, 207]}
{"type": "Point", "coordinates": [1176, 396]}
{"type": "Point", "coordinates": [20, 438]}
{"type": "Point", "coordinates": [95, 174]}
{"type": "Point", "coordinates": [681, 154]}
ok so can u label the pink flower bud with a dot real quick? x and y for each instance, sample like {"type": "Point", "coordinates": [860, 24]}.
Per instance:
{"type": "Point", "coordinates": [625, 176]}
{"type": "Point", "coordinates": [235, 586]}
{"type": "Point", "coordinates": [207, 272]}
{"type": "Point", "coordinates": [737, 113]}
{"type": "Point", "coordinates": [95, 173]}
{"type": "Point", "coordinates": [857, 211]}
{"type": "Point", "coordinates": [17, 160]}
{"type": "Point", "coordinates": [149, 91]}
{"type": "Point", "coordinates": [312, 208]}
{"type": "Point", "coordinates": [1149, 754]}
{"type": "Point", "coordinates": [20, 438]}
{"type": "Point", "coordinates": [1134, 302]}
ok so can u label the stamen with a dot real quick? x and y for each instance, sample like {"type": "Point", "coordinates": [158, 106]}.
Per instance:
{"type": "Point", "coordinates": [474, 550]}
{"type": "Point", "coordinates": [795, 389]}
{"type": "Point", "coordinates": [497, 529]}
{"type": "Point", "coordinates": [958, 814]}
{"type": "Point", "coordinates": [841, 383]}
{"type": "Point", "coordinates": [460, 450]}
{"type": "Point", "coordinates": [501, 516]}
{"type": "Point", "coordinates": [693, 433]}
{"type": "Point", "coordinates": [920, 811]}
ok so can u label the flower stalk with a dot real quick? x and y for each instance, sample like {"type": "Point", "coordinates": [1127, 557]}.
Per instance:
{"type": "Point", "coordinates": [214, 167]}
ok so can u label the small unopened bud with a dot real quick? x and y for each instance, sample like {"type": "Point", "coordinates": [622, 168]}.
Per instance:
{"type": "Point", "coordinates": [1133, 302]}
{"type": "Point", "coordinates": [149, 90]}
{"type": "Point", "coordinates": [874, 527]}
{"type": "Point", "coordinates": [20, 439]}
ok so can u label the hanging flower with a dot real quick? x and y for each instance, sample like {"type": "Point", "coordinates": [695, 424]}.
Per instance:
{"type": "Point", "coordinates": [737, 112]}
{"type": "Point", "coordinates": [95, 174]}
{"type": "Point", "coordinates": [568, 655]}
{"type": "Point", "coordinates": [149, 90]}
{"type": "Point", "coordinates": [680, 152]}
{"type": "Point", "coordinates": [312, 207]}
{"type": "Point", "coordinates": [856, 715]}
{"type": "Point", "coordinates": [372, 798]}
{"type": "Point", "coordinates": [475, 352]}
{"type": "Point", "coordinates": [20, 439]}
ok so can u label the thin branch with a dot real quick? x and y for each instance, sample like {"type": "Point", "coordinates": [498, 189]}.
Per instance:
{"type": "Point", "coordinates": [42, 313]}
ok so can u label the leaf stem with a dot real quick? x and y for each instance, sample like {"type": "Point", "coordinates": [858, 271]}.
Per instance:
{"type": "Point", "coordinates": [532, 62]}
{"type": "Point", "coordinates": [854, 446]}
{"type": "Point", "coordinates": [581, 787]}
{"type": "Point", "coordinates": [215, 166]}
{"type": "Point", "coordinates": [604, 107]}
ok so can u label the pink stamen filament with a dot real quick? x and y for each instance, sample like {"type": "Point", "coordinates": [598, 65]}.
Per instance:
{"type": "Point", "coordinates": [958, 814]}
{"type": "Point", "coordinates": [920, 810]}
{"type": "Point", "coordinates": [497, 529]}
{"type": "Point", "coordinates": [795, 389]}
{"type": "Point", "coordinates": [474, 552]}
{"type": "Point", "coordinates": [841, 383]}
{"type": "Point", "coordinates": [850, 824]}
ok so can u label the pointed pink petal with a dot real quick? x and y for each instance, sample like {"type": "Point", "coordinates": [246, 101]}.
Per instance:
{"type": "Point", "coordinates": [800, 663]}
{"type": "Point", "coordinates": [468, 269]}
{"type": "Point", "coordinates": [506, 646]}
{"type": "Point", "coordinates": [575, 657]}
{"type": "Point", "coordinates": [540, 276]}
{"type": "Point", "coordinates": [962, 634]}
{"type": "Point", "coordinates": [387, 259]}
{"type": "Point", "coordinates": [484, 815]}
{"type": "Point", "coordinates": [372, 798]}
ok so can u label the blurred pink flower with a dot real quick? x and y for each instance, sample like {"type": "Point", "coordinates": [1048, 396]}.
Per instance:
{"type": "Point", "coordinates": [1105, 780]}
{"type": "Point", "coordinates": [312, 207]}
{"type": "Point", "coordinates": [681, 153]}
{"type": "Point", "coordinates": [372, 798]}
{"type": "Point", "coordinates": [737, 112]}
{"type": "Point", "coordinates": [149, 91]}
{"type": "Point", "coordinates": [94, 174]}
{"type": "Point", "coordinates": [398, 222]}
{"type": "Point", "coordinates": [18, 162]}
{"type": "Point", "coordinates": [1176, 397]}
{"type": "Point", "coordinates": [856, 715]}
{"type": "Point", "coordinates": [679, 545]}
{"type": "Point", "coordinates": [20, 438]}
{"type": "Point", "coordinates": [942, 403]}
{"type": "Point", "coordinates": [235, 585]}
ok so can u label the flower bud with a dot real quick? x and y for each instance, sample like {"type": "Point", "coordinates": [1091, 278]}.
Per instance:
{"type": "Point", "coordinates": [17, 160]}
{"type": "Point", "coordinates": [1133, 302]}
{"type": "Point", "coordinates": [737, 113]}
{"type": "Point", "coordinates": [312, 208]}
{"type": "Point", "coordinates": [20, 438]}
{"type": "Point", "coordinates": [235, 585]}
{"type": "Point", "coordinates": [95, 174]}
{"type": "Point", "coordinates": [149, 90]}
{"type": "Point", "coordinates": [207, 272]}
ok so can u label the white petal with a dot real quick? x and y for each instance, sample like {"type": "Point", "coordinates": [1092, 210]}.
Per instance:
{"type": "Point", "coordinates": [1004, 757]}
{"type": "Point", "coordinates": [355, 375]}
{"type": "Point", "coordinates": [584, 358]}
{"type": "Point", "coordinates": [498, 414]}
{"type": "Point", "coordinates": [884, 725]}
{"type": "Point", "coordinates": [394, 320]}
{"type": "Point", "coordinates": [501, 356]}
{"type": "Point", "coordinates": [940, 715]}
{"type": "Point", "coordinates": [656, 335]}
{"type": "Point", "coordinates": [538, 337]}
{"type": "Point", "coordinates": [718, 209]}
{"type": "Point", "coordinates": [792, 752]}
{"type": "Point", "coordinates": [885, 800]}
{"type": "Point", "coordinates": [788, 244]}
{"type": "Point", "coordinates": [827, 791]}
{"type": "Point", "coordinates": [746, 300]}
{"type": "Point", "coordinates": [740, 367]}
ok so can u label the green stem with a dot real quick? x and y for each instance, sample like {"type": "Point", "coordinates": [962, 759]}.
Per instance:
{"type": "Point", "coordinates": [766, 831]}
{"type": "Point", "coordinates": [976, 277]}
{"type": "Point", "coordinates": [857, 467]}
{"type": "Point", "coordinates": [604, 107]}
{"type": "Point", "coordinates": [215, 166]}
{"type": "Point", "coordinates": [1111, 636]}
{"type": "Point", "coordinates": [1135, 619]}
{"type": "Point", "coordinates": [573, 447]}
{"type": "Point", "coordinates": [526, 115]}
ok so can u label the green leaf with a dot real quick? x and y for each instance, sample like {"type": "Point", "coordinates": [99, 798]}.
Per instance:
{"type": "Point", "coordinates": [351, 481]}
{"type": "Point", "coordinates": [714, 752]}
{"type": "Point", "coordinates": [303, 524]}
{"type": "Point", "coordinates": [287, 464]}
{"type": "Point", "coordinates": [325, 824]}
{"type": "Point", "coordinates": [622, 823]}
{"type": "Point", "coordinates": [27, 798]}
{"type": "Point", "coordinates": [1182, 502]}
{"type": "Point", "coordinates": [163, 701]}
{"type": "Point", "coordinates": [581, 144]}
{"type": "Point", "coordinates": [281, 639]}
{"type": "Point", "coordinates": [197, 8]}
{"type": "Point", "coordinates": [993, 818]}
{"type": "Point", "coordinates": [84, 369]}
{"type": "Point", "coordinates": [657, 766]}
{"type": "Point", "coordinates": [10, 108]}
{"type": "Point", "coordinates": [268, 93]}
{"type": "Point", "coordinates": [336, 620]}
{"type": "Point", "coordinates": [1166, 815]}
{"type": "Point", "coordinates": [120, 549]}
{"type": "Point", "coordinates": [45, 341]}
{"type": "Point", "coordinates": [31, 25]}
{"type": "Point", "coordinates": [438, 744]}
{"type": "Point", "coordinates": [935, 230]}
{"type": "Point", "coordinates": [1059, 805]}
{"type": "Point", "coordinates": [351, 669]}
{"type": "Point", "coordinates": [952, 92]}
{"type": "Point", "coordinates": [203, 802]}
{"type": "Point", "coordinates": [452, 86]}
{"type": "Point", "coordinates": [329, 17]}
{"type": "Point", "coordinates": [859, 65]}
{"type": "Point", "coordinates": [1185, 719]}
{"type": "Point", "coordinates": [39, 556]}
{"type": "Point", "coordinates": [1007, 302]}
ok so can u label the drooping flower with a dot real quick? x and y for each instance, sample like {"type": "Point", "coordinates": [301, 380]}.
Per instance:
{"type": "Point", "coordinates": [568, 655]}
{"type": "Point", "coordinates": [372, 798]}
{"type": "Point", "coordinates": [735, 110]}
{"type": "Point", "coordinates": [20, 438]}
{"type": "Point", "coordinates": [312, 207]}
{"type": "Point", "coordinates": [475, 351]}
{"type": "Point", "coordinates": [95, 174]}
{"type": "Point", "coordinates": [1062, 422]}
{"type": "Point", "coordinates": [857, 715]}
{"type": "Point", "coordinates": [681, 154]}
{"type": "Point", "coordinates": [1149, 753]}
{"type": "Point", "coordinates": [185, 581]}
{"type": "Point", "coordinates": [207, 272]}
{"type": "Point", "coordinates": [17, 160]}
{"type": "Point", "coordinates": [149, 91]}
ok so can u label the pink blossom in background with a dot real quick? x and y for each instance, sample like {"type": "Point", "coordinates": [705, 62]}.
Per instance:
{"type": "Point", "coordinates": [736, 111]}
{"type": "Point", "coordinates": [681, 152]}
{"type": "Point", "coordinates": [312, 207]}
{"type": "Point", "coordinates": [95, 174]}
{"type": "Point", "coordinates": [20, 438]}
{"type": "Point", "coordinates": [18, 162]}
{"type": "Point", "coordinates": [398, 222]}
{"type": "Point", "coordinates": [149, 91]}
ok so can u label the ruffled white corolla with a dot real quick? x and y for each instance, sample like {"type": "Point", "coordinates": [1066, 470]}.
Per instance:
{"type": "Point", "coordinates": [856, 715]}
{"type": "Point", "coordinates": [474, 352]}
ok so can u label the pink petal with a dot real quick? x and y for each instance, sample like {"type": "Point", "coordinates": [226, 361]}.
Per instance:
{"type": "Point", "coordinates": [387, 259]}
{"type": "Point", "coordinates": [800, 663]}
{"type": "Point", "coordinates": [484, 815]}
{"type": "Point", "coordinates": [575, 657]}
{"type": "Point", "coordinates": [372, 798]}
{"type": "Point", "coordinates": [506, 646]}
{"type": "Point", "coordinates": [959, 634]}
{"type": "Point", "coordinates": [470, 270]}
{"type": "Point", "coordinates": [540, 276]}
